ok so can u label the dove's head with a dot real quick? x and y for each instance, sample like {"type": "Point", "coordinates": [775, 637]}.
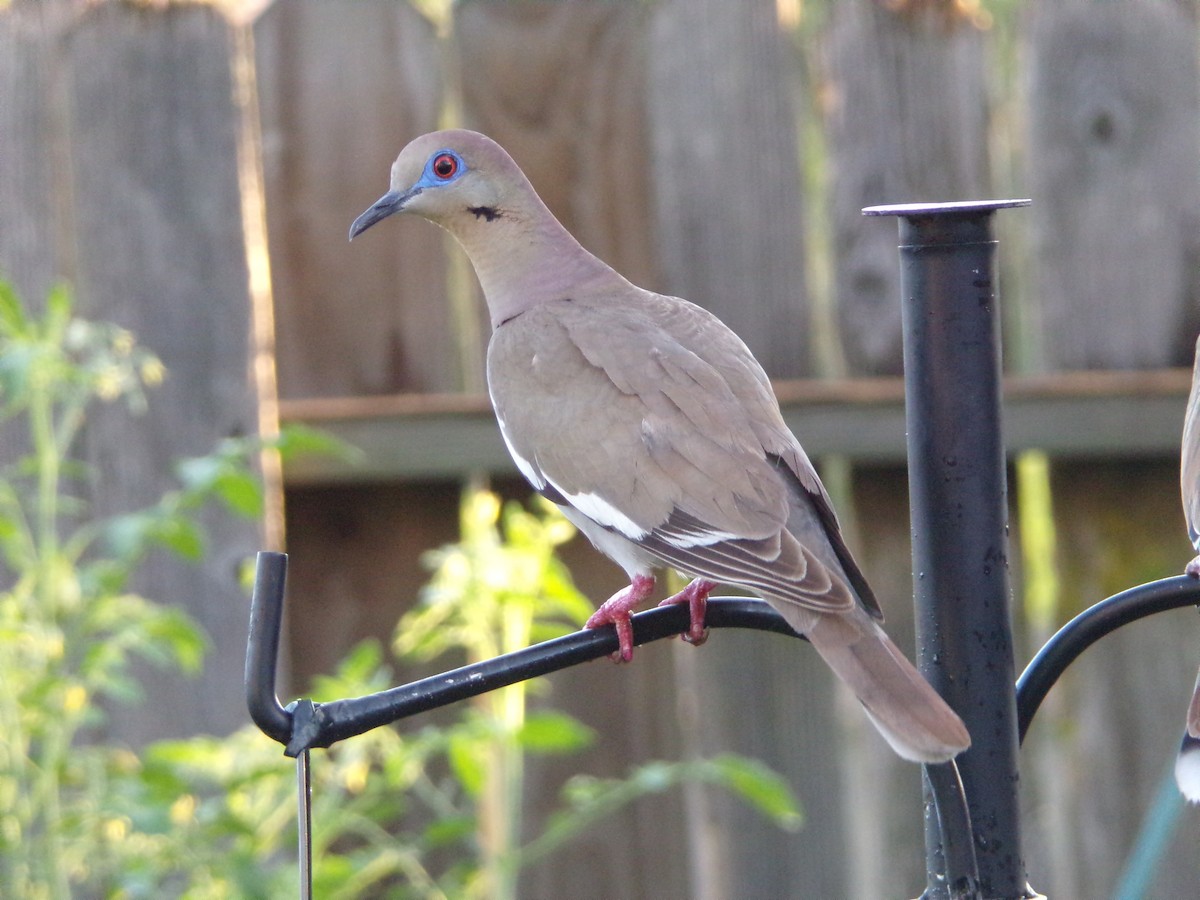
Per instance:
{"type": "Point", "coordinates": [452, 178]}
{"type": "Point", "coordinates": [466, 183]}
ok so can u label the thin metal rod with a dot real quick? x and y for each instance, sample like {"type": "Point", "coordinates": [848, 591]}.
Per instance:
{"type": "Point", "coordinates": [304, 823]}
{"type": "Point", "coordinates": [957, 847]}
{"type": "Point", "coordinates": [306, 724]}
{"type": "Point", "coordinates": [957, 493]}
{"type": "Point", "coordinates": [1087, 628]}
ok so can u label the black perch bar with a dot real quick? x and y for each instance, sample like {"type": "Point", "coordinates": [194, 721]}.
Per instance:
{"type": "Point", "coordinates": [1088, 627]}
{"type": "Point", "coordinates": [306, 724]}
{"type": "Point", "coordinates": [959, 521]}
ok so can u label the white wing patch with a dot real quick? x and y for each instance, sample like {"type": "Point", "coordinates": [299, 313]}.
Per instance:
{"type": "Point", "coordinates": [698, 539]}
{"type": "Point", "coordinates": [603, 513]}
{"type": "Point", "coordinates": [528, 469]}
{"type": "Point", "coordinates": [591, 505]}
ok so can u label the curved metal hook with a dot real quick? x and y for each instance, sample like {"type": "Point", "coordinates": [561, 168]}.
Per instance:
{"type": "Point", "coordinates": [262, 646]}
{"type": "Point", "coordinates": [1087, 628]}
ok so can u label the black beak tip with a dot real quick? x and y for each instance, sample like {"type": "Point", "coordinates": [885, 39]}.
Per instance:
{"type": "Point", "coordinates": [389, 203]}
{"type": "Point", "coordinates": [363, 222]}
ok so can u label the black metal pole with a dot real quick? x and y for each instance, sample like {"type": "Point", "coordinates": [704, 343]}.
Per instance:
{"type": "Point", "coordinates": [957, 490]}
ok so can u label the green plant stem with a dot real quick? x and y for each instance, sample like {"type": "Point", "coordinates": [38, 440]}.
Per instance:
{"type": "Point", "coordinates": [45, 450]}
{"type": "Point", "coordinates": [517, 621]}
{"type": "Point", "coordinates": [50, 751]}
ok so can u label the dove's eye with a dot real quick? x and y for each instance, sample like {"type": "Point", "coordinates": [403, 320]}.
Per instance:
{"type": "Point", "coordinates": [445, 165]}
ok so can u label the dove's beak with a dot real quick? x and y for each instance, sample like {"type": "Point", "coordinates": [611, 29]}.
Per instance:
{"type": "Point", "coordinates": [390, 203]}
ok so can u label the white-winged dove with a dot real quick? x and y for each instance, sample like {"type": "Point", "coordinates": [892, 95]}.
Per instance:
{"type": "Point", "coordinates": [1187, 763]}
{"type": "Point", "coordinates": [657, 433]}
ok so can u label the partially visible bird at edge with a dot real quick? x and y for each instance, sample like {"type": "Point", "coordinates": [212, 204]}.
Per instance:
{"type": "Point", "coordinates": [1187, 762]}
{"type": "Point", "coordinates": [657, 433]}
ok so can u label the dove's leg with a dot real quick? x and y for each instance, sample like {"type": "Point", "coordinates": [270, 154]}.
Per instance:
{"type": "Point", "coordinates": [1193, 568]}
{"type": "Point", "coordinates": [695, 595]}
{"type": "Point", "coordinates": [617, 609]}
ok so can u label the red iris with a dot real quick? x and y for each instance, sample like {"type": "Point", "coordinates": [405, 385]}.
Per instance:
{"type": "Point", "coordinates": [445, 165]}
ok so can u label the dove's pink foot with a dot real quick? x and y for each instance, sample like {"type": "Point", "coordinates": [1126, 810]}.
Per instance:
{"type": "Point", "coordinates": [617, 609]}
{"type": "Point", "coordinates": [1193, 568]}
{"type": "Point", "coordinates": [695, 595]}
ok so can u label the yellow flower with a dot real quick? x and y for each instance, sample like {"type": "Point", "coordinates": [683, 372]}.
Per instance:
{"type": "Point", "coordinates": [355, 776]}
{"type": "Point", "coordinates": [75, 698]}
{"type": "Point", "coordinates": [115, 830]}
{"type": "Point", "coordinates": [183, 810]}
{"type": "Point", "coordinates": [153, 371]}
{"type": "Point", "coordinates": [108, 383]}
{"type": "Point", "coordinates": [122, 342]}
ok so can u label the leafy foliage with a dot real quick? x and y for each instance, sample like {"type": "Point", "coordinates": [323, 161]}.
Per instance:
{"type": "Point", "coordinates": [69, 627]}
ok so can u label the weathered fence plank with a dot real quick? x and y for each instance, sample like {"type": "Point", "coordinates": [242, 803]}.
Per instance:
{"type": "Point", "coordinates": [157, 211]}
{"type": "Point", "coordinates": [126, 185]}
{"type": "Point", "coordinates": [725, 172]}
{"type": "Point", "coordinates": [343, 86]}
{"type": "Point", "coordinates": [35, 203]}
{"type": "Point", "coordinates": [355, 565]}
{"type": "Point", "coordinates": [907, 122]}
{"type": "Point", "coordinates": [1113, 94]}
{"type": "Point", "coordinates": [561, 86]}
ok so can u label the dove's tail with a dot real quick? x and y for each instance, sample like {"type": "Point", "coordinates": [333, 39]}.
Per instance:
{"type": "Point", "coordinates": [909, 713]}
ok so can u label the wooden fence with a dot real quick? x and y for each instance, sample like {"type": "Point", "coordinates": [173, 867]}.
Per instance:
{"type": "Point", "coordinates": [717, 150]}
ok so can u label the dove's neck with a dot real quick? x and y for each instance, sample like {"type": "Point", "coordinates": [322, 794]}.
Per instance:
{"type": "Point", "coordinates": [525, 257]}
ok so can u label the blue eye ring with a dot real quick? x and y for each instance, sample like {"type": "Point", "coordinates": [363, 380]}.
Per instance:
{"type": "Point", "coordinates": [443, 166]}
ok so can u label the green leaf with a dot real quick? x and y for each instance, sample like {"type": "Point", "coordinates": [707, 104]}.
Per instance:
{"type": "Point", "coordinates": [450, 830]}
{"type": "Point", "coordinates": [104, 576]}
{"type": "Point", "coordinates": [241, 493]}
{"type": "Point", "coordinates": [301, 440]}
{"type": "Point", "coordinates": [181, 535]}
{"type": "Point", "coordinates": [13, 319]}
{"type": "Point", "coordinates": [362, 671]}
{"type": "Point", "coordinates": [182, 636]}
{"type": "Point", "coordinates": [16, 362]}
{"type": "Point", "coordinates": [760, 787]}
{"type": "Point", "coordinates": [127, 535]}
{"type": "Point", "coordinates": [467, 760]}
{"type": "Point", "coordinates": [200, 473]}
{"type": "Point", "coordinates": [550, 731]}
{"type": "Point", "coordinates": [58, 313]}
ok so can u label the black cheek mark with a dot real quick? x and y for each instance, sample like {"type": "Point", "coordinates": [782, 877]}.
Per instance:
{"type": "Point", "coordinates": [489, 213]}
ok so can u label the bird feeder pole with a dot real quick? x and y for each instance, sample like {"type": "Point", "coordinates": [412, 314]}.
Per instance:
{"type": "Point", "coordinates": [957, 489]}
